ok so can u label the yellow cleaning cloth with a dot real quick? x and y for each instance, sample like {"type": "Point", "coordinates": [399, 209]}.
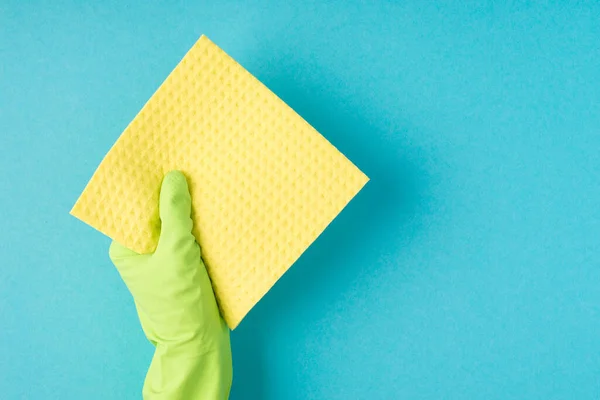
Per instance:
{"type": "Point", "coordinates": [264, 183]}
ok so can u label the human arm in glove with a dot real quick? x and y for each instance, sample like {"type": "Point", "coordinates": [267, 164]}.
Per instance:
{"type": "Point", "coordinates": [176, 306]}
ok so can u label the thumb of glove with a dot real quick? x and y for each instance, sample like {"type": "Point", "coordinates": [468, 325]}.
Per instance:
{"type": "Point", "coordinates": [175, 208]}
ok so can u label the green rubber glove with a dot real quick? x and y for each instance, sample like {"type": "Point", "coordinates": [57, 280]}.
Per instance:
{"type": "Point", "coordinates": [176, 306]}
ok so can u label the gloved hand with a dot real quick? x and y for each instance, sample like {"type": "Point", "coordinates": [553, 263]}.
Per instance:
{"type": "Point", "coordinates": [177, 307]}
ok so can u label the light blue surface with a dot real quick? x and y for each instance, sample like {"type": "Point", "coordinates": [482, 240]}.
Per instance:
{"type": "Point", "coordinates": [467, 269]}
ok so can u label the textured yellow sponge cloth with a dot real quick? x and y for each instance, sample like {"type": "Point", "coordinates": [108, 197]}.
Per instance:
{"type": "Point", "coordinates": [264, 183]}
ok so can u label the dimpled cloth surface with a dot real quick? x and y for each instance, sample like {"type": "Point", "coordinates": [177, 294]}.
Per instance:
{"type": "Point", "coordinates": [264, 183]}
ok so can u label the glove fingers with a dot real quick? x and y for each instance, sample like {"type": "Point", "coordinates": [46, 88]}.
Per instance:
{"type": "Point", "coordinates": [118, 252]}
{"type": "Point", "coordinates": [129, 264]}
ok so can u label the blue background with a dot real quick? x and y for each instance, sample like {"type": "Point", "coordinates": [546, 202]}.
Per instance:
{"type": "Point", "coordinates": [468, 268]}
